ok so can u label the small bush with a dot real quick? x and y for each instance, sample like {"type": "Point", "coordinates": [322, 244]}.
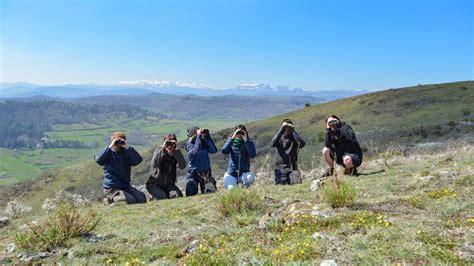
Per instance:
{"type": "Point", "coordinates": [63, 197]}
{"type": "Point", "coordinates": [66, 222]}
{"type": "Point", "coordinates": [239, 201]}
{"type": "Point", "coordinates": [339, 194]}
{"type": "Point", "coordinates": [16, 209]}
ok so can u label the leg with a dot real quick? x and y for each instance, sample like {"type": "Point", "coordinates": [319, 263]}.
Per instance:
{"type": "Point", "coordinates": [137, 194]}
{"type": "Point", "coordinates": [156, 191]}
{"type": "Point", "coordinates": [191, 187]}
{"type": "Point", "coordinates": [281, 175]}
{"type": "Point", "coordinates": [230, 182]}
{"type": "Point", "coordinates": [247, 179]}
{"type": "Point", "coordinates": [328, 158]}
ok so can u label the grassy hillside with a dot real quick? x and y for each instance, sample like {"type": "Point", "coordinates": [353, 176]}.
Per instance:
{"type": "Point", "coordinates": [407, 117]}
{"type": "Point", "coordinates": [419, 210]}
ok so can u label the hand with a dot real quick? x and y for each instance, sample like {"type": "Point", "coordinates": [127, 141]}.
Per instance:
{"type": "Point", "coordinates": [333, 126]}
{"type": "Point", "coordinates": [125, 144]}
{"type": "Point", "coordinates": [112, 142]}
{"type": "Point", "coordinates": [244, 136]}
{"type": "Point", "coordinates": [285, 124]}
{"type": "Point", "coordinates": [198, 132]}
{"type": "Point", "coordinates": [237, 131]}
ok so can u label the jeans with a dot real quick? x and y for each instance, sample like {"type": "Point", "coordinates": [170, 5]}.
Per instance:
{"type": "Point", "coordinates": [246, 179]}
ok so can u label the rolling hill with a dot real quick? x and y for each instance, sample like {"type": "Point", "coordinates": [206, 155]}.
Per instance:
{"type": "Point", "coordinates": [405, 117]}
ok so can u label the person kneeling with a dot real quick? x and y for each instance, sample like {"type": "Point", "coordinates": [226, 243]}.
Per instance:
{"type": "Point", "coordinates": [162, 183]}
{"type": "Point", "coordinates": [341, 145]}
{"type": "Point", "coordinates": [117, 160]}
{"type": "Point", "coordinates": [241, 149]}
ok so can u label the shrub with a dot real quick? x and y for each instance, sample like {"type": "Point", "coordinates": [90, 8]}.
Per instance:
{"type": "Point", "coordinates": [63, 197]}
{"type": "Point", "coordinates": [66, 222]}
{"type": "Point", "coordinates": [339, 194]}
{"type": "Point", "coordinates": [15, 209]}
{"type": "Point", "coordinates": [239, 201]}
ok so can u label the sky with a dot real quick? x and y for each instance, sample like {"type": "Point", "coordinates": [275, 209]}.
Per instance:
{"type": "Point", "coordinates": [319, 44]}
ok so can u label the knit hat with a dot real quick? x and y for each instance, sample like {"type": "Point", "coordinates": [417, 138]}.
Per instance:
{"type": "Point", "coordinates": [191, 130]}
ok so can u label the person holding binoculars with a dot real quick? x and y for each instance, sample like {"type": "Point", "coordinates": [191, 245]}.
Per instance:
{"type": "Point", "coordinates": [162, 183]}
{"type": "Point", "coordinates": [287, 143]}
{"type": "Point", "coordinates": [241, 149]}
{"type": "Point", "coordinates": [341, 145]}
{"type": "Point", "coordinates": [117, 160]}
{"type": "Point", "coordinates": [199, 146]}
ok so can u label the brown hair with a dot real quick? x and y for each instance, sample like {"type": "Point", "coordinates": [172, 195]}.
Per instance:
{"type": "Point", "coordinates": [286, 120]}
{"type": "Point", "coordinates": [170, 136]}
{"type": "Point", "coordinates": [119, 134]}
{"type": "Point", "coordinates": [331, 116]}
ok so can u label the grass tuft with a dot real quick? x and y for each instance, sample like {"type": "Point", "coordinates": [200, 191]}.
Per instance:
{"type": "Point", "coordinates": [339, 194]}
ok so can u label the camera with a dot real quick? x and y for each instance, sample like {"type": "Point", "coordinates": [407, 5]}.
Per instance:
{"type": "Point", "coordinates": [333, 122]}
{"type": "Point", "coordinates": [119, 142]}
{"type": "Point", "coordinates": [205, 131]}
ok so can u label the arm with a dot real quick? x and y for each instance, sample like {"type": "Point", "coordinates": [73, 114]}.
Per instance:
{"type": "Point", "coordinates": [135, 157]}
{"type": "Point", "coordinates": [180, 158]}
{"type": "Point", "coordinates": [227, 146]}
{"type": "Point", "coordinates": [103, 157]}
{"type": "Point", "coordinates": [299, 140]}
{"type": "Point", "coordinates": [327, 138]}
{"type": "Point", "coordinates": [157, 157]}
{"type": "Point", "coordinates": [276, 138]}
{"type": "Point", "coordinates": [347, 132]}
{"type": "Point", "coordinates": [194, 148]}
{"type": "Point", "coordinates": [211, 147]}
{"type": "Point", "coordinates": [251, 148]}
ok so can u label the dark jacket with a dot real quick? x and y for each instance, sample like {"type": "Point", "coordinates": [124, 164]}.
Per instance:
{"type": "Point", "coordinates": [287, 148]}
{"type": "Point", "coordinates": [117, 166]}
{"type": "Point", "coordinates": [164, 173]}
{"type": "Point", "coordinates": [343, 140]}
{"type": "Point", "coordinates": [198, 154]}
{"type": "Point", "coordinates": [243, 156]}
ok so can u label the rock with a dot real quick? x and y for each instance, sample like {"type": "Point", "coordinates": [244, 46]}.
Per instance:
{"type": "Point", "coordinates": [448, 174]}
{"type": "Point", "coordinates": [330, 262]}
{"type": "Point", "coordinates": [10, 248]}
{"type": "Point", "coordinates": [315, 185]}
{"type": "Point", "coordinates": [4, 221]}
{"type": "Point", "coordinates": [26, 226]}
{"type": "Point", "coordinates": [426, 178]}
{"type": "Point", "coordinates": [70, 255]}
{"type": "Point", "coordinates": [3, 259]}
{"type": "Point", "coordinates": [190, 248]}
{"type": "Point", "coordinates": [297, 209]}
{"type": "Point", "coordinates": [318, 235]}
{"type": "Point", "coordinates": [37, 256]}
{"type": "Point", "coordinates": [96, 238]}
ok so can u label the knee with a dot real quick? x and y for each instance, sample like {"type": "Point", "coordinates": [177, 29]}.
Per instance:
{"type": "Point", "coordinates": [248, 179]}
{"type": "Point", "coordinates": [325, 151]}
{"type": "Point", "coordinates": [191, 187]}
{"type": "Point", "coordinates": [348, 162]}
{"type": "Point", "coordinates": [229, 181]}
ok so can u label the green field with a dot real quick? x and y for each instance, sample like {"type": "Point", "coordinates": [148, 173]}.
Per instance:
{"type": "Point", "coordinates": [25, 164]}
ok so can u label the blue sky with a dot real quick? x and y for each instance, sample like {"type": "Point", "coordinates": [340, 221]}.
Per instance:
{"type": "Point", "coordinates": [325, 44]}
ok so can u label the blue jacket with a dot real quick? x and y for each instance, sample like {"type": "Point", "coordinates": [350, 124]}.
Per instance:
{"type": "Point", "coordinates": [198, 154]}
{"type": "Point", "coordinates": [247, 152]}
{"type": "Point", "coordinates": [117, 166]}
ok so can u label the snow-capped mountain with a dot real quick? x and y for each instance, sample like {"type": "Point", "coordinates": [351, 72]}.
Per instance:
{"type": "Point", "coordinates": [141, 87]}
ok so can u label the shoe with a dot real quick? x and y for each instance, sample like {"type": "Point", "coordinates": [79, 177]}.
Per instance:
{"type": "Point", "coordinates": [107, 201]}
{"type": "Point", "coordinates": [329, 172]}
{"type": "Point", "coordinates": [351, 172]}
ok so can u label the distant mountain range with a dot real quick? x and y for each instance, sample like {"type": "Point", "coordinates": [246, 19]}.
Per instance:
{"type": "Point", "coordinates": [142, 87]}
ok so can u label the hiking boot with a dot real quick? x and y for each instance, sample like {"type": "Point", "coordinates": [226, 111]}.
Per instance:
{"type": "Point", "coordinates": [107, 201]}
{"type": "Point", "coordinates": [351, 172]}
{"type": "Point", "coordinates": [329, 172]}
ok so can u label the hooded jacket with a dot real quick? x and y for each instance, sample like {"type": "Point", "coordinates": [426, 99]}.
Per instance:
{"type": "Point", "coordinates": [165, 166]}
{"type": "Point", "coordinates": [239, 157]}
{"type": "Point", "coordinates": [287, 148]}
{"type": "Point", "coordinates": [198, 154]}
{"type": "Point", "coordinates": [343, 140]}
{"type": "Point", "coordinates": [117, 166]}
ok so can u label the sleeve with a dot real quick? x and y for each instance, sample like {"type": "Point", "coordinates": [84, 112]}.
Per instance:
{"type": "Point", "coordinates": [193, 149]}
{"type": "Point", "coordinates": [251, 148]}
{"type": "Point", "coordinates": [211, 147]}
{"type": "Point", "coordinates": [275, 140]}
{"type": "Point", "coordinates": [135, 157]}
{"type": "Point", "coordinates": [227, 146]}
{"type": "Point", "coordinates": [103, 157]}
{"type": "Point", "coordinates": [156, 159]}
{"type": "Point", "coordinates": [327, 138]}
{"type": "Point", "coordinates": [301, 142]}
{"type": "Point", "coordinates": [347, 132]}
{"type": "Point", "coordinates": [180, 158]}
